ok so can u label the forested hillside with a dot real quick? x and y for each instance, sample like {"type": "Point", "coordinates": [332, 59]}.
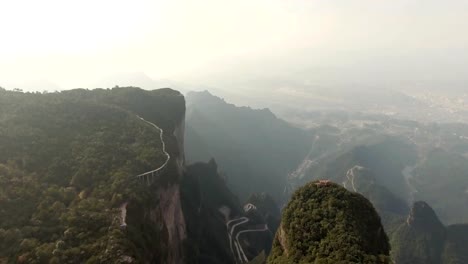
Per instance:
{"type": "Point", "coordinates": [68, 162]}
{"type": "Point", "coordinates": [325, 223]}
{"type": "Point", "coordinates": [69, 191]}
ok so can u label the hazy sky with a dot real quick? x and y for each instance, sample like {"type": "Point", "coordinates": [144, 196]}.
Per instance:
{"type": "Point", "coordinates": [74, 43]}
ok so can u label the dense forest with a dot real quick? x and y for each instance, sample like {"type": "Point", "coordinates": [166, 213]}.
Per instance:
{"type": "Point", "coordinates": [325, 223]}
{"type": "Point", "coordinates": [68, 161]}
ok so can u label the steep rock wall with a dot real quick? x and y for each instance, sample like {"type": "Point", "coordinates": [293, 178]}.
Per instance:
{"type": "Point", "coordinates": [179, 134]}
{"type": "Point", "coordinates": [170, 210]}
{"type": "Point", "coordinates": [169, 206]}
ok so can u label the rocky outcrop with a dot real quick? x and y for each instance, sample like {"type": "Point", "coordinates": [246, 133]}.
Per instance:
{"type": "Point", "coordinates": [281, 236]}
{"type": "Point", "coordinates": [169, 198]}
{"type": "Point", "coordinates": [179, 134]}
{"type": "Point", "coordinates": [170, 210]}
{"type": "Point", "coordinates": [165, 213]}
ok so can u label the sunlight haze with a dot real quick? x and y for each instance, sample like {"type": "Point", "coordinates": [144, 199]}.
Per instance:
{"type": "Point", "coordinates": [76, 43]}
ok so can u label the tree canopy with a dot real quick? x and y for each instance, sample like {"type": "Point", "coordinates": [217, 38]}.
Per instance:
{"type": "Point", "coordinates": [325, 223]}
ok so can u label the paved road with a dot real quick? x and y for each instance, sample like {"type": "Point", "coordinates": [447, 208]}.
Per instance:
{"type": "Point", "coordinates": [350, 176]}
{"type": "Point", "coordinates": [230, 230]}
{"type": "Point", "coordinates": [168, 157]}
{"type": "Point", "coordinates": [123, 207]}
{"type": "Point", "coordinates": [238, 247]}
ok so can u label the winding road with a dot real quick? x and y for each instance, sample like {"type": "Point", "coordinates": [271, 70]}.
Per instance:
{"type": "Point", "coordinates": [149, 176]}
{"type": "Point", "coordinates": [230, 233]}
{"type": "Point", "coordinates": [350, 176]}
{"type": "Point", "coordinates": [231, 229]}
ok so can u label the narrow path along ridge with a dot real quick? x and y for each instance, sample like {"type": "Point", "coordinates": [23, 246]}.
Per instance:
{"type": "Point", "coordinates": [156, 172]}
{"type": "Point", "coordinates": [147, 176]}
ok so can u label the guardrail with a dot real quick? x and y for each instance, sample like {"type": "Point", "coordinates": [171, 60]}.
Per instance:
{"type": "Point", "coordinates": [148, 177]}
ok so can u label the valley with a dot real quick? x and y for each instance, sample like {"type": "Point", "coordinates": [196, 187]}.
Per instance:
{"type": "Point", "coordinates": [234, 132]}
{"type": "Point", "coordinates": [382, 158]}
{"type": "Point", "coordinates": [217, 193]}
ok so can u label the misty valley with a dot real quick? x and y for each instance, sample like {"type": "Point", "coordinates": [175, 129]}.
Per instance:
{"type": "Point", "coordinates": [233, 132]}
{"type": "Point", "coordinates": [127, 175]}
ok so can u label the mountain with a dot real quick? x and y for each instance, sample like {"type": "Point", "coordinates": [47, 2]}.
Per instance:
{"type": "Point", "coordinates": [422, 238]}
{"type": "Point", "coordinates": [254, 149]}
{"type": "Point", "coordinates": [325, 223]}
{"type": "Point", "coordinates": [69, 189]}
{"type": "Point", "coordinates": [386, 159]}
{"type": "Point", "coordinates": [404, 169]}
{"type": "Point", "coordinates": [412, 160]}
{"type": "Point", "coordinates": [100, 177]}
{"type": "Point", "coordinates": [373, 170]}
{"type": "Point", "coordinates": [392, 172]}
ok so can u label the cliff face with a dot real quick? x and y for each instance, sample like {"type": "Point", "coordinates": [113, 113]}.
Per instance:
{"type": "Point", "coordinates": [169, 211]}
{"type": "Point", "coordinates": [166, 209]}
{"type": "Point", "coordinates": [168, 197]}
{"type": "Point", "coordinates": [179, 134]}
{"type": "Point", "coordinates": [164, 108]}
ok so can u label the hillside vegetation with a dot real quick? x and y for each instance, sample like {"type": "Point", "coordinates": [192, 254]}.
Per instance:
{"type": "Point", "coordinates": [67, 163]}
{"type": "Point", "coordinates": [325, 223]}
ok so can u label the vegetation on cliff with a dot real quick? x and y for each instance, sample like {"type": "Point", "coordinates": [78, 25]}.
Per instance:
{"type": "Point", "coordinates": [325, 223]}
{"type": "Point", "coordinates": [67, 163]}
